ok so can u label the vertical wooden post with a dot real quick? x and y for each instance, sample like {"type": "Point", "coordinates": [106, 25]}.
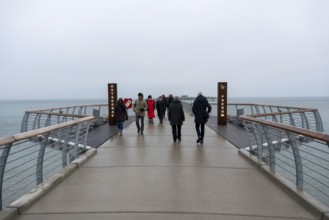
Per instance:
{"type": "Point", "coordinates": [112, 97]}
{"type": "Point", "coordinates": [222, 103]}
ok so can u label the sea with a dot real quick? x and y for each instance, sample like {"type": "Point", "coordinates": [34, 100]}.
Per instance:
{"type": "Point", "coordinates": [12, 111]}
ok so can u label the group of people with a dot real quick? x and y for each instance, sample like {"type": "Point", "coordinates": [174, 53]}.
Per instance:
{"type": "Point", "coordinates": [174, 108]}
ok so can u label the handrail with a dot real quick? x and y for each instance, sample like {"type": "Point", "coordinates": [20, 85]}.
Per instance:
{"type": "Point", "coordinates": [283, 113]}
{"type": "Point", "coordinates": [298, 154]}
{"type": "Point", "coordinates": [269, 105]}
{"type": "Point", "coordinates": [40, 131]}
{"type": "Point", "coordinates": [55, 113]}
{"type": "Point", "coordinates": [74, 106]}
{"type": "Point", "coordinates": [34, 119]}
{"type": "Point", "coordinates": [301, 131]}
{"type": "Point", "coordinates": [54, 140]}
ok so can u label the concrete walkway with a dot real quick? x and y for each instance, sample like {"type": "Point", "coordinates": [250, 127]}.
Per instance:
{"type": "Point", "coordinates": [150, 177]}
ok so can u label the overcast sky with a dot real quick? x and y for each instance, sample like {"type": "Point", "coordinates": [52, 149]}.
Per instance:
{"type": "Point", "coordinates": [73, 48]}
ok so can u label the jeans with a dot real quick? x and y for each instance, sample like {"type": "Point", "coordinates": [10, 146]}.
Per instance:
{"type": "Point", "coordinates": [140, 127]}
{"type": "Point", "coordinates": [120, 125]}
{"type": "Point", "coordinates": [198, 131]}
{"type": "Point", "coordinates": [176, 131]}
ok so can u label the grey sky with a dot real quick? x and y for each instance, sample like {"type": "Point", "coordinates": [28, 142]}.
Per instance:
{"type": "Point", "coordinates": [73, 48]}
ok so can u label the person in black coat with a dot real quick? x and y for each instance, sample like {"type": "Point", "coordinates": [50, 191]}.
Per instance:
{"type": "Point", "coordinates": [176, 117]}
{"type": "Point", "coordinates": [169, 100]}
{"type": "Point", "coordinates": [161, 108]}
{"type": "Point", "coordinates": [201, 109]}
{"type": "Point", "coordinates": [120, 115]}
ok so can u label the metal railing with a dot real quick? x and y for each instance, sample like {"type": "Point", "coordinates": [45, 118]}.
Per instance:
{"type": "Point", "coordinates": [29, 158]}
{"type": "Point", "coordinates": [307, 118]}
{"type": "Point", "coordinates": [298, 154]}
{"type": "Point", "coordinates": [43, 118]}
{"type": "Point", "coordinates": [289, 140]}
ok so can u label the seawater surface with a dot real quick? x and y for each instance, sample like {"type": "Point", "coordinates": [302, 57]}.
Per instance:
{"type": "Point", "coordinates": [12, 111]}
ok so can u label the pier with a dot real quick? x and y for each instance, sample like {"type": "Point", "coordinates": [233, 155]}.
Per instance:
{"type": "Point", "coordinates": [240, 172]}
{"type": "Point", "coordinates": [150, 177]}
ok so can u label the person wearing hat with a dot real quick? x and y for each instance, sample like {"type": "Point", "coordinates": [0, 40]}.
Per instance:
{"type": "Point", "coordinates": [140, 107]}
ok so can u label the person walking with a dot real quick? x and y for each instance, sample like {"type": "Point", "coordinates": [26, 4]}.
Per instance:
{"type": "Point", "coordinates": [140, 107]}
{"type": "Point", "coordinates": [161, 108]}
{"type": "Point", "coordinates": [150, 109]}
{"type": "Point", "coordinates": [176, 117]}
{"type": "Point", "coordinates": [164, 98]}
{"type": "Point", "coordinates": [120, 115]}
{"type": "Point", "coordinates": [201, 109]}
{"type": "Point", "coordinates": [169, 100]}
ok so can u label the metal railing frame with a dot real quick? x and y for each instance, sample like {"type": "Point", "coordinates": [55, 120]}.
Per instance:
{"type": "Point", "coordinates": [258, 131]}
{"type": "Point", "coordinates": [43, 137]}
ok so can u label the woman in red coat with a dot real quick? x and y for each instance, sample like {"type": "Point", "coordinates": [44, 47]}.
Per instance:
{"type": "Point", "coordinates": [150, 109]}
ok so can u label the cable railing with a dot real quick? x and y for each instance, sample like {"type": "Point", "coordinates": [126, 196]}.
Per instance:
{"type": "Point", "coordinates": [298, 154]}
{"type": "Point", "coordinates": [289, 140]}
{"type": "Point", "coordinates": [306, 118]}
{"type": "Point", "coordinates": [28, 159]}
{"type": "Point", "coordinates": [43, 118]}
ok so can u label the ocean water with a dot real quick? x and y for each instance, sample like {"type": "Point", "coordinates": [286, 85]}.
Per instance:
{"type": "Point", "coordinates": [320, 103]}
{"type": "Point", "coordinates": [12, 112]}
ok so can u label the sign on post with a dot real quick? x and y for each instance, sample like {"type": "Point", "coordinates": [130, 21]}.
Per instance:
{"type": "Point", "coordinates": [128, 102]}
{"type": "Point", "coordinates": [112, 97]}
{"type": "Point", "coordinates": [222, 103]}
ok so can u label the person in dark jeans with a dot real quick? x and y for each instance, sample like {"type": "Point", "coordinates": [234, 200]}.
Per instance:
{"type": "Point", "coordinates": [120, 115]}
{"type": "Point", "coordinates": [161, 108]}
{"type": "Point", "coordinates": [201, 109]}
{"type": "Point", "coordinates": [176, 117]}
{"type": "Point", "coordinates": [140, 107]}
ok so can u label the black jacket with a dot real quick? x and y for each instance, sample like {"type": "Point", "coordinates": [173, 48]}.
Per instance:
{"type": "Point", "coordinates": [121, 113]}
{"type": "Point", "coordinates": [176, 114]}
{"type": "Point", "coordinates": [161, 107]}
{"type": "Point", "coordinates": [201, 110]}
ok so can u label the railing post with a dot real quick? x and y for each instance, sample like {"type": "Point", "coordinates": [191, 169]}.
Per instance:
{"type": "Point", "coordinates": [292, 121]}
{"type": "Point", "coordinates": [86, 137]}
{"type": "Point", "coordinates": [270, 148]}
{"type": "Point", "coordinates": [318, 121]}
{"type": "Point", "coordinates": [41, 156]}
{"type": "Point", "coordinates": [302, 119]}
{"type": "Point", "coordinates": [48, 120]}
{"type": "Point", "coordinates": [25, 122]}
{"type": "Point", "coordinates": [80, 110]}
{"type": "Point", "coordinates": [298, 160]}
{"type": "Point", "coordinates": [35, 121]}
{"type": "Point", "coordinates": [76, 144]}
{"type": "Point", "coordinates": [305, 123]}
{"type": "Point", "coordinates": [65, 147]}
{"type": "Point", "coordinates": [252, 109]}
{"type": "Point", "coordinates": [3, 162]}
{"type": "Point", "coordinates": [259, 141]}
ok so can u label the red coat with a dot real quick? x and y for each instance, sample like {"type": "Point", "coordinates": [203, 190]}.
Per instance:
{"type": "Point", "coordinates": [150, 108]}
